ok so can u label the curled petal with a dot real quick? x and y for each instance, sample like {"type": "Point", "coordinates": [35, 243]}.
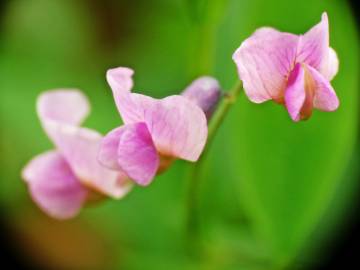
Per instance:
{"type": "Point", "coordinates": [120, 81]}
{"type": "Point", "coordinates": [325, 98]}
{"type": "Point", "coordinates": [313, 46]}
{"type": "Point", "coordinates": [137, 155]}
{"type": "Point", "coordinates": [177, 126]}
{"type": "Point", "coordinates": [295, 94]}
{"type": "Point", "coordinates": [264, 61]}
{"type": "Point", "coordinates": [79, 146]}
{"type": "Point", "coordinates": [130, 148]}
{"type": "Point", "coordinates": [205, 92]}
{"type": "Point", "coordinates": [306, 89]}
{"type": "Point", "coordinates": [53, 186]}
{"type": "Point", "coordinates": [108, 153]}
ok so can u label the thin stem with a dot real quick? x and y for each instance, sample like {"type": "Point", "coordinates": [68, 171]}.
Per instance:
{"type": "Point", "coordinates": [221, 112]}
{"type": "Point", "coordinates": [196, 170]}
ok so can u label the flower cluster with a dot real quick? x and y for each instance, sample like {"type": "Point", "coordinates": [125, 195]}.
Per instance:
{"type": "Point", "coordinates": [85, 166]}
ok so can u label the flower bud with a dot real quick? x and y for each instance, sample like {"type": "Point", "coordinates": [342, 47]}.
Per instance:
{"type": "Point", "coordinates": [205, 92]}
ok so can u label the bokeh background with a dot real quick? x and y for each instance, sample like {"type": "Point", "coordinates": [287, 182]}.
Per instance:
{"type": "Point", "coordinates": [274, 194]}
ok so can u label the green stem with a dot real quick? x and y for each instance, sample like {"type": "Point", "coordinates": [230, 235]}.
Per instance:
{"type": "Point", "coordinates": [195, 173]}
{"type": "Point", "coordinates": [222, 110]}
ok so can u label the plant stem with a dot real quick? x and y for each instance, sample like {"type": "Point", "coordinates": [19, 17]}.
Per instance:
{"type": "Point", "coordinates": [194, 184]}
{"type": "Point", "coordinates": [221, 112]}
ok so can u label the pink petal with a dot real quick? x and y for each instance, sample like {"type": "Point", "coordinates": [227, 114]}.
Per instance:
{"type": "Point", "coordinates": [63, 105]}
{"type": "Point", "coordinates": [130, 148]}
{"type": "Point", "coordinates": [306, 89]}
{"type": "Point", "coordinates": [264, 61]}
{"type": "Point", "coordinates": [295, 93]}
{"type": "Point", "coordinates": [205, 92]}
{"type": "Point", "coordinates": [108, 154]}
{"type": "Point", "coordinates": [177, 126]}
{"type": "Point", "coordinates": [330, 65]}
{"type": "Point", "coordinates": [137, 155]}
{"type": "Point", "coordinates": [325, 98]}
{"type": "Point", "coordinates": [53, 186]}
{"type": "Point", "coordinates": [120, 81]}
{"type": "Point", "coordinates": [79, 146]}
{"type": "Point", "coordinates": [314, 45]}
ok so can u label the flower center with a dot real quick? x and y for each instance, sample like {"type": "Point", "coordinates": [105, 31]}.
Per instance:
{"type": "Point", "coordinates": [165, 162]}
{"type": "Point", "coordinates": [307, 108]}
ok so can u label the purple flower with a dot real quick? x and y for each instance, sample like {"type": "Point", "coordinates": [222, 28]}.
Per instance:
{"type": "Point", "coordinates": [293, 70]}
{"type": "Point", "coordinates": [62, 180]}
{"type": "Point", "coordinates": [155, 131]}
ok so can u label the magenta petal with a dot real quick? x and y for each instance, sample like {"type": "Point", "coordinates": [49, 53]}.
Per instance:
{"type": "Point", "coordinates": [53, 186]}
{"type": "Point", "coordinates": [137, 155]}
{"type": "Point", "coordinates": [295, 94]}
{"type": "Point", "coordinates": [205, 92]}
{"type": "Point", "coordinates": [59, 112]}
{"type": "Point", "coordinates": [325, 98]}
{"type": "Point", "coordinates": [264, 61]}
{"type": "Point", "coordinates": [314, 45]}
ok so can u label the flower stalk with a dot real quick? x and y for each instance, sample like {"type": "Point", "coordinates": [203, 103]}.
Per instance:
{"type": "Point", "coordinates": [194, 185]}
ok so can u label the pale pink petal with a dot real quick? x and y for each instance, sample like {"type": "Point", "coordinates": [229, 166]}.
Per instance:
{"type": "Point", "coordinates": [178, 126]}
{"type": "Point", "coordinates": [314, 45]}
{"type": "Point", "coordinates": [120, 81]}
{"type": "Point", "coordinates": [205, 92]}
{"type": "Point", "coordinates": [325, 98]}
{"type": "Point", "coordinates": [63, 105]}
{"type": "Point", "coordinates": [330, 65]}
{"type": "Point", "coordinates": [137, 155]}
{"type": "Point", "coordinates": [264, 61]}
{"type": "Point", "coordinates": [79, 146]}
{"type": "Point", "coordinates": [295, 93]}
{"type": "Point", "coordinates": [53, 186]}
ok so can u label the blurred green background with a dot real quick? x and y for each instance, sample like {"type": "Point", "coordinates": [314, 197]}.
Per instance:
{"type": "Point", "coordinates": [273, 193]}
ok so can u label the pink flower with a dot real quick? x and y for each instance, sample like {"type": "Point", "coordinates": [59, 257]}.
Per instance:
{"type": "Point", "coordinates": [155, 131]}
{"type": "Point", "coordinates": [290, 69]}
{"type": "Point", "coordinates": [62, 180]}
